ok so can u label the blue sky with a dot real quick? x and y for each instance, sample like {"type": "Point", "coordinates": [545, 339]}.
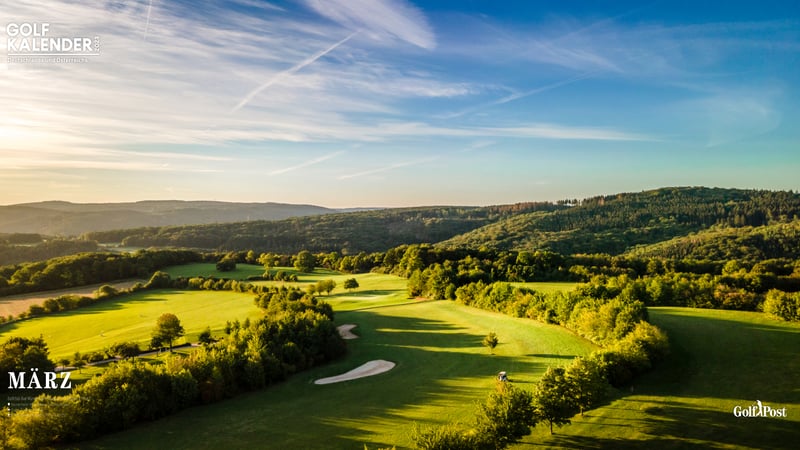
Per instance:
{"type": "Point", "coordinates": [394, 103]}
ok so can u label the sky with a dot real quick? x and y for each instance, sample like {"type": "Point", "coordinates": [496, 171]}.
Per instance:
{"type": "Point", "coordinates": [366, 103]}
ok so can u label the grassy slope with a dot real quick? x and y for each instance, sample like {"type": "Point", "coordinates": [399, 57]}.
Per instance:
{"type": "Point", "coordinates": [719, 359]}
{"type": "Point", "coordinates": [132, 318]}
{"type": "Point", "coordinates": [442, 370]}
{"type": "Point", "coordinates": [210, 270]}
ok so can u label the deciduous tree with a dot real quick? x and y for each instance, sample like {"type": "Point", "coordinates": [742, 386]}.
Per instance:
{"type": "Point", "coordinates": [167, 329]}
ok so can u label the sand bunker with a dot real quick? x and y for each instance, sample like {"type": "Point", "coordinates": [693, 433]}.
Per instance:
{"type": "Point", "coordinates": [366, 370]}
{"type": "Point", "coordinates": [344, 331]}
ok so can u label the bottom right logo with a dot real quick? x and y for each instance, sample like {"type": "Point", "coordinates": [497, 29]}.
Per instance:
{"type": "Point", "coordinates": [758, 409]}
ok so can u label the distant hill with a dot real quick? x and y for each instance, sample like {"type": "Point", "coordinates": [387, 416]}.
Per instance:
{"type": "Point", "coordinates": [56, 218]}
{"type": "Point", "coordinates": [612, 224]}
{"type": "Point", "coordinates": [367, 231]}
{"type": "Point", "coordinates": [616, 223]}
{"type": "Point", "coordinates": [780, 240]}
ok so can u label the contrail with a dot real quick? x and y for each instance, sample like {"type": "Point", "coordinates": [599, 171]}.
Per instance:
{"type": "Point", "coordinates": [307, 163]}
{"type": "Point", "coordinates": [278, 76]}
{"type": "Point", "coordinates": [147, 24]}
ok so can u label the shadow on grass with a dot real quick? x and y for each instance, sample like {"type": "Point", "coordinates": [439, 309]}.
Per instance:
{"type": "Point", "coordinates": [553, 356]}
{"type": "Point", "coordinates": [676, 425]}
{"type": "Point", "coordinates": [438, 363]}
{"type": "Point", "coordinates": [100, 307]}
{"type": "Point", "coordinates": [726, 355]}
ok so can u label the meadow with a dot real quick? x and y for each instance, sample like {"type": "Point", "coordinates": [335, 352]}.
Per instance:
{"type": "Point", "coordinates": [132, 317]}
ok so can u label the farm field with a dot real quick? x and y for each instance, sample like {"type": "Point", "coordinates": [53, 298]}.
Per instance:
{"type": "Point", "coordinates": [132, 318]}
{"type": "Point", "coordinates": [719, 359]}
{"type": "Point", "coordinates": [442, 371]}
{"type": "Point", "coordinates": [15, 304]}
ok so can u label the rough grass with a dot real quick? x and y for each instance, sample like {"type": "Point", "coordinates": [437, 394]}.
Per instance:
{"type": "Point", "coordinates": [719, 359]}
{"type": "Point", "coordinates": [442, 371]}
{"type": "Point", "coordinates": [132, 318]}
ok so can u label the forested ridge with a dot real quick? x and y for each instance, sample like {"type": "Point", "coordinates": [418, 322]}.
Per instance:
{"type": "Point", "coordinates": [351, 232]}
{"type": "Point", "coordinates": [779, 240]}
{"type": "Point", "coordinates": [610, 224]}
{"type": "Point", "coordinates": [615, 223]}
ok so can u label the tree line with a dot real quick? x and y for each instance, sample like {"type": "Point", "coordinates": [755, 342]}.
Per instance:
{"type": "Point", "coordinates": [293, 336]}
{"type": "Point", "coordinates": [629, 344]}
{"type": "Point", "coordinates": [88, 268]}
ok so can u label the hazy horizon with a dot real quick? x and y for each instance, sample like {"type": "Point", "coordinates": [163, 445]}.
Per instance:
{"type": "Point", "coordinates": [358, 103]}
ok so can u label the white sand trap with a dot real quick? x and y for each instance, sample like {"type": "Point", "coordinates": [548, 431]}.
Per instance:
{"type": "Point", "coordinates": [365, 370]}
{"type": "Point", "coordinates": [344, 331]}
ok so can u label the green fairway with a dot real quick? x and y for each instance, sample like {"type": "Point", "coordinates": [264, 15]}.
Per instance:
{"type": "Point", "coordinates": [442, 371]}
{"type": "Point", "coordinates": [241, 272]}
{"type": "Point", "coordinates": [132, 318]}
{"type": "Point", "coordinates": [719, 359]}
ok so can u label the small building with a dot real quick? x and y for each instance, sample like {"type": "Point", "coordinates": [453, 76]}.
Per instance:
{"type": "Point", "coordinates": [502, 376]}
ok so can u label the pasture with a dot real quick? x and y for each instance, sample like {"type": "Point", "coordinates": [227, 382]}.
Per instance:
{"type": "Point", "coordinates": [132, 318]}
{"type": "Point", "coordinates": [442, 371]}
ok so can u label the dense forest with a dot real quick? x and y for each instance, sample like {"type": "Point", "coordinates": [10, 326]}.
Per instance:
{"type": "Point", "coordinates": [779, 240]}
{"type": "Point", "coordinates": [614, 224]}
{"type": "Point", "coordinates": [17, 248]}
{"type": "Point", "coordinates": [606, 224]}
{"type": "Point", "coordinates": [351, 232]}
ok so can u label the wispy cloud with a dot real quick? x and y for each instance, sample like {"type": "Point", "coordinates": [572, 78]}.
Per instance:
{"type": "Point", "coordinates": [307, 163]}
{"type": "Point", "coordinates": [380, 19]}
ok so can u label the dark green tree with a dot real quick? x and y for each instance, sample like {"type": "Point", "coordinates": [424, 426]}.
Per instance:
{"type": "Point", "coordinates": [305, 261]}
{"type": "Point", "coordinates": [506, 416]}
{"type": "Point", "coordinates": [587, 382]}
{"type": "Point", "coordinates": [205, 337]}
{"type": "Point", "coordinates": [350, 284]}
{"type": "Point", "coordinates": [552, 399]}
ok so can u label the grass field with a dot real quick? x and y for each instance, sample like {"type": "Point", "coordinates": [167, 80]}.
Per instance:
{"type": "Point", "coordinates": [719, 359]}
{"type": "Point", "coordinates": [442, 371]}
{"type": "Point", "coordinates": [132, 318]}
{"type": "Point", "coordinates": [241, 272]}
{"type": "Point", "coordinates": [15, 304]}
{"type": "Point", "coordinates": [548, 287]}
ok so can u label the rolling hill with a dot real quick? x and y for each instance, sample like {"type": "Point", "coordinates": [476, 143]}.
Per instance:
{"type": "Point", "coordinates": [58, 218]}
{"type": "Point", "coordinates": [613, 224]}
{"type": "Point", "coordinates": [356, 231]}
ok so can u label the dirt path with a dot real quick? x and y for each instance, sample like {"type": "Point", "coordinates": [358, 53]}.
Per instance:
{"type": "Point", "coordinates": [368, 369]}
{"type": "Point", "coordinates": [15, 304]}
